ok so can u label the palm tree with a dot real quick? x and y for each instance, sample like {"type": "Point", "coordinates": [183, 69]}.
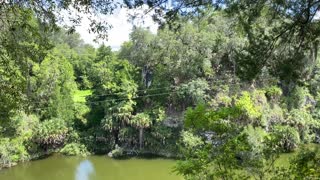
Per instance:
{"type": "Point", "coordinates": [141, 121]}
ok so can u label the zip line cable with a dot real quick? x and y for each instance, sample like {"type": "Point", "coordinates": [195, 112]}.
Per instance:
{"type": "Point", "coordinates": [152, 89]}
{"type": "Point", "coordinates": [141, 90]}
{"type": "Point", "coordinates": [116, 99]}
{"type": "Point", "coordinates": [120, 99]}
{"type": "Point", "coordinates": [111, 100]}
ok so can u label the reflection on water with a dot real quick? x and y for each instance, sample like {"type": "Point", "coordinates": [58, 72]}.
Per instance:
{"type": "Point", "coordinates": [84, 170]}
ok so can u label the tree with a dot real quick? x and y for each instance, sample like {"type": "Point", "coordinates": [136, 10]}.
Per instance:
{"type": "Point", "coordinates": [45, 11]}
{"type": "Point", "coordinates": [114, 90]}
{"type": "Point", "coordinates": [141, 121]}
{"type": "Point", "coordinates": [54, 87]}
{"type": "Point", "coordinates": [22, 43]}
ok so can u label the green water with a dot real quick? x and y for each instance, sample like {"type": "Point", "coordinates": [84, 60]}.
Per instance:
{"type": "Point", "coordinates": [59, 167]}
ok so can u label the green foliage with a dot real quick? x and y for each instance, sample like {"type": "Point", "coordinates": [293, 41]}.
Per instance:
{"type": "Point", "coordinates": [21, 125]}
{"type": "Point", "coordinates": [300, 99]}
{"type": "Point", "coordinates": [55, 87]}
{"type": "Point", "coordinates": [304, 123]}
{"type": "Point", "coordinates": [132, 97]}
{"type": "Point", "coordinates": [195, 168]}
{"type": "Point", "coordinates": [219, 147]}
{"type": "Point", "coordinates": [190, 141]}
{"type": "Point", "coordinates": [246, 104]}
{"type": "Point", "coordinates": [16, 139]}
{"type": "Point", "coordinates": [80, 95]}
{"type": "Point", "coordinates": [117, 152]}
{"type": "Point", "coordinates": [273, 93]}
{"type": "Point", "coordinates": [288, 137]}
{"type": "Point", "coordinates": [196, 117]}
{"type": "Point", "coordinates": [306, 165]}
{"type": "Point", "coordinates": [202, 118]}
{"type": "Point", "coordinates": [51, 133]}
{"type": "Point", "coordinates": [115, 88]}
{"type": "Point", "coordinates": [74, 149]}
{"type": "Point", "coordinates": [194, 90]}
{"type": "Point", "coordinates": [221, 99]}
{"type": "Point", "coordinates": [22, 42]}
{"type": "Point", "coordinates": [272, 116]}
{"type": "Point", "coordinates": [81, 111]}
{"type": "Point", "coordinates": [256, 138]}
{"type": "Point", "coordinates": [141, 120]}
{"type": "Point", "coordinates": [12, 151]}
{"type": "Point", "coordinates": [162, 140]}
{"type": "Point", "coordinates": [159, 114]}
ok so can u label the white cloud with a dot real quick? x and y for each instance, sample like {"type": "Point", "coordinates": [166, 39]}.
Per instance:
{"type": "Point", "coordinates": [121, 27]}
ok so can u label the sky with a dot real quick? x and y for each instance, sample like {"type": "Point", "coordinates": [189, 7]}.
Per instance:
{"type": "Point", "coordinates": [121, 27]}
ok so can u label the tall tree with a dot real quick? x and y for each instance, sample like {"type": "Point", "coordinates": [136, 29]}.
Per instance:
{"type": "Point", "coordinates": [114, 90]}
{"type": "Point", "coordinates": [54, 87]}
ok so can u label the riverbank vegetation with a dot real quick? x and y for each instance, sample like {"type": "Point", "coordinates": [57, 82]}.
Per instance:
{"type": "Point", "coordinates": [225, 90]}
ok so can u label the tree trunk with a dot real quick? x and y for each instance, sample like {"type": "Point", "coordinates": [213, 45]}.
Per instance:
{"type": "Point", "coordinates": [141, 138]}
{"type": "Point", "coordinates": [116, 137]}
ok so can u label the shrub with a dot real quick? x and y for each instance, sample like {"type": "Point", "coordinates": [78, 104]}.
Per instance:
{"type": "Point", "coordinates": [162, 140]}
{"type": "Point", "coordinates": [190, 141]}
{"type": "Point", "coordinates": [256, 138]}
{"type": "Point", "coordinates": [81, 110]}
{"type": "Point", "coordinates": [272, 116]}
{"type": "Point", "coordinates": [304, 122]}
{"type": "Point", "coordinates": [117, 152]}
{"type": "Point", "coordinates": [247, 105]}
{"type": "Point", "coordinates": [259, 98]}
{"type": "Point", "coordinates": [300, 98]}
{"type": "Point", "coordinates": [287, 137]}
{"type": "Point", "coordinates": [75, 149]}
{"type": "Point", "coordinates": [194, 90]}
{"type": "Point", "coordinates": [221, 99]}
{"type": "Point", "coordinates": [273, 93]}
{"type": "Point", "coordinates": [51, 133]}
{"type": "Point", "coordinates": [12, 151]}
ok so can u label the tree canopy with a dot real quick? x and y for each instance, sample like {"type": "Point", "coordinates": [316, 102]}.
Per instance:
{"type": "Point", "coordinates": [225, 86]}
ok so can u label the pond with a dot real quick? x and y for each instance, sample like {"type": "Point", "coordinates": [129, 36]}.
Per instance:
{"type": "Point", "coordinates": [58, 167]}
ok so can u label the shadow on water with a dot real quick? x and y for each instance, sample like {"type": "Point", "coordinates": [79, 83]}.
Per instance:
{"type": "Point", "coordinates": [84, 170]}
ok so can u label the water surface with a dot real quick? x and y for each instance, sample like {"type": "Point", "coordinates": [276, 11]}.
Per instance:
{"type": "Point", "coordinates": [59, 167]}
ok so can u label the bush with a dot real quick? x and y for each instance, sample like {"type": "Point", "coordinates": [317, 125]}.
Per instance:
{"type": "Point", "coordinates": [75, 149]}
{"type": "Point", "coordinates": [259, 98]}
{"type": "Point", "coordinates": [272, 116]}
{"type": "Point", "coordinates": [190, 140]}
{"type": "Point", "coordinates": [248, 106]}
{"type": "Point", "coordinates": [221, 99]}
{"type": "Point", "coordinates": [256, 138]}
{"type": "Point", "coordinates": [287, 137]}
{"type": "Point", "coordinates": [21, 125]}
{"type": "Point", "coordinates": [301, 99]}
{"type": "Point", "coordinates": [117, 152]}
{"type": "Point", "coordinates": [97, 140]}
{"type": "Point", "coordinates": [273, 93]}
{"type": "Point", "coordinates": [303, 121]}
{"type": "Point", "coordinates": [12, 151]}
{"type": "Point", "coordinates": [81, 110]}
{"type": "Point", "coordinates": [51, 133]}
{"type": "Point", "coordinates": [194, 90]}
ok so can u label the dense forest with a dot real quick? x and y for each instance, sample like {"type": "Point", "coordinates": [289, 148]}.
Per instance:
{"type": "Point", "coordinates": [225, 87]}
